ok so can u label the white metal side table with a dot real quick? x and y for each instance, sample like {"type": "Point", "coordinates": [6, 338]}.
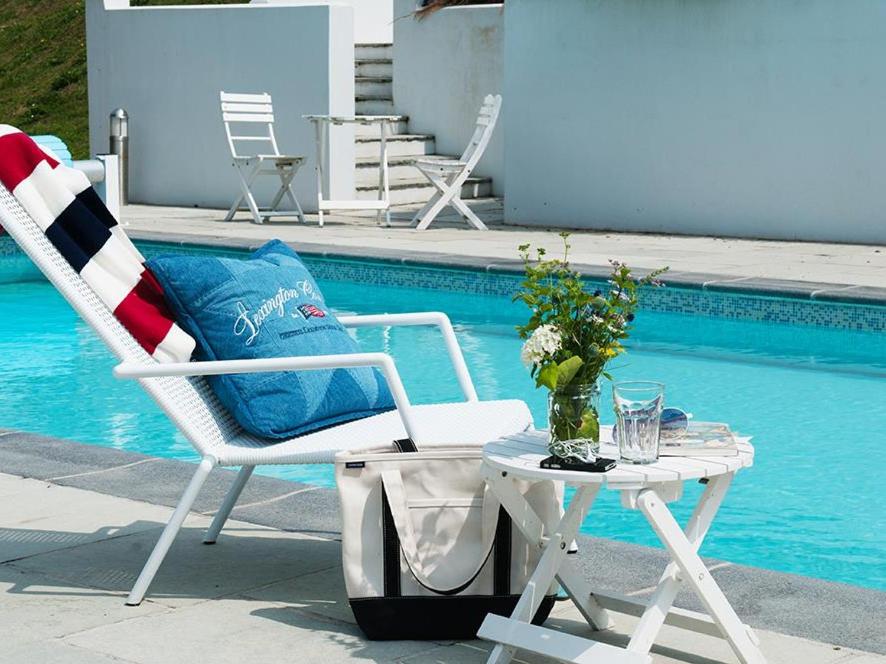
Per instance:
{"type": "Point", "coordinates": [383, 204]}
{"type": "Point", "coordinates": [646, 488]}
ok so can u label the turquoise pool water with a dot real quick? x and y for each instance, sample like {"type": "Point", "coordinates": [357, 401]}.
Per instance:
{"type": "Point", "coordinates": [813, 397]}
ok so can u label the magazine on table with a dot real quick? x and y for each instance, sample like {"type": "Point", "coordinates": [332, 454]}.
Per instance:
{"type": "Point", "coordinates": [701, 439]}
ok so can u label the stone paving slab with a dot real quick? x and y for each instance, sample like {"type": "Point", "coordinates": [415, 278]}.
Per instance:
{"type": "Point", "coordinates": [266, 501]}
{"type": "Point", "coordinates": [692, 259]}
{"type": "Point", "coordinates": [246, 556]}
{"type": "Point", "coordinates": [258, 595]}
{"type": "Point", "coordinates": [41, 518]}
{"type": "Point", "coordinates": [801, 606]}
{"type": "Point", "coordinates": [36, 608]}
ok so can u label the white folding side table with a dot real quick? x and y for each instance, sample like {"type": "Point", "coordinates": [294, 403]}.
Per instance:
{"type": "Point", "coordinates": [647, 488]}
{"type": "Point", "coordinates": [383, 204]}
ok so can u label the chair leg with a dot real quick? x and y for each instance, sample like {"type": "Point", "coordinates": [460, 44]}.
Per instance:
{"type": "Point", "coordinates": [468, 213]}
{"type": "Point", "coordinates": [246, 182]}
{"type": "Point", "coordinates": [137, 594]}
{"type": "Point", "coordinates": [434, 210]}
{"type": "Point", "coordinates": [234, 208]}
{"type": "Point", "coordinates": [427, 206]}
{"type": "Point", "coordinates": [218, 521]}
{"type": "Point", "coordinates": [292, 196]}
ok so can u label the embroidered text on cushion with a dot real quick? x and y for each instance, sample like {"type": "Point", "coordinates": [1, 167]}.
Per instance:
{"type": "Point", "coordinates": [77, 223]}
{"type": "Point", "coordinates": [269, 306]}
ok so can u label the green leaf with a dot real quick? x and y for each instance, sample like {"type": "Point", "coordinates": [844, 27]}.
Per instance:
{"type": "Point", "coordinates": [567, 369]}
{"type": "Point", "coordinates": [547, 376]}
{"type": "Point", "coordinates": [590, 425]}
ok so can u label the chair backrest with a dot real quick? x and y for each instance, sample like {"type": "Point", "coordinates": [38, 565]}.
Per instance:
{"type": "Point", "coordinates": [486, 120]}
{"type": "Point", "coordinates": [255, 111]}
{"type": "Point", "coordinates": [58, 146]}
{"type": "Point", "coordinates": [189, 402]}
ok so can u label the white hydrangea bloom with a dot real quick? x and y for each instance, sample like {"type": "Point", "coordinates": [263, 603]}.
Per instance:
{"type": "Point", "coordinates": [544, 342]}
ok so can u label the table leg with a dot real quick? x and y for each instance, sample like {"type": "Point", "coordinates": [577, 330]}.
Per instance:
{"type": "Point", "coordinates": [528, 522]}
{"type": "Point", "coordinates": [319, 126]}
{"type": "Point", "coordinates": [684, 555]}
{"type": "Point", "coordinates": [551, 560]}
{"type": "Point", "coordinates": [383, 181]}
{"type": "Point", "coordinates": [669, 585]}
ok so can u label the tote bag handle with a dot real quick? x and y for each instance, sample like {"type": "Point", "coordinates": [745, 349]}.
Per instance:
{"type": "Point", "coordinates": [395, 494]}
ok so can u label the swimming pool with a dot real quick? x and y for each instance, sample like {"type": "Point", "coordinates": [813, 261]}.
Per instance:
{"type": "Point", "coordinates": [812, 394]}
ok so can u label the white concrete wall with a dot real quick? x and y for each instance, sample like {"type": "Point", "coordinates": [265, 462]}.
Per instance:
{"type": "Point", "coordinates": [444, 66]}
{"type": "Point", "coordinates": [762, 118]}
{"type": "Point", "coordinates": [166, 65]}
{"type": "Point", "coordinates": [372, 18]}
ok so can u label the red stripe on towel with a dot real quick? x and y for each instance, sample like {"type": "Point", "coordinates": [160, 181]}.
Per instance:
{"type": "Point", "coordinates": [145, 314]}
{"type": "Point", "coordinates": [19, 156]}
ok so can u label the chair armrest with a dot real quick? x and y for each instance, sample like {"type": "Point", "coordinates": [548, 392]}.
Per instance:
{"type": "Point", "coordinates": [436, 318]}
{"type": "Point", "coordinates": [220, 367]}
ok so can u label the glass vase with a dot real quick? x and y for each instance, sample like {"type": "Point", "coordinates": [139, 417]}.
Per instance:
{"type": "Point", "coordinates": [573, 421]}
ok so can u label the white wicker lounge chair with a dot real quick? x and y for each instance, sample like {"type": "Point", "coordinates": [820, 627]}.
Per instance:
{"type": "Point", "coordinates": [194, 409]}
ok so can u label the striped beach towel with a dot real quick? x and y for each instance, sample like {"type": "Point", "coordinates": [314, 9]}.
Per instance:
{"type": "Point", "coordinates": [77, 223]}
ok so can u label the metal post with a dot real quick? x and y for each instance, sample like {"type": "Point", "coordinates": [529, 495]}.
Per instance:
{"type": "Point", "coordinates": [119, 145]}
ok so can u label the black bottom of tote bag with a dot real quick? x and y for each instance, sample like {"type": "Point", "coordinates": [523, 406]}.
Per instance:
{"type": "Point", "coordinates": [424, 618]}
{"type": "Point", "coordinates": [446, 614]}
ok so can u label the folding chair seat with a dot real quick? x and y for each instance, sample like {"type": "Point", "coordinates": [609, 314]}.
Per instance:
{"type": "Point", "coordinates": [258, 110]}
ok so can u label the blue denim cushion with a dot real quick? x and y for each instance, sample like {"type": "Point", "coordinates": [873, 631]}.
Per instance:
{"type": "Point", "coordinates": [269, 306]}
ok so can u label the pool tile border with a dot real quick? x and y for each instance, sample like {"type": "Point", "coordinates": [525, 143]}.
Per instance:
{"type": "Point", "coordinates": [842, 306]}
{"type": "Point", "coordinates": [737, 298]}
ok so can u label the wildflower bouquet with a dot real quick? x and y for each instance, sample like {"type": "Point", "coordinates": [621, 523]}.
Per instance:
{"type": "Point", "coordinates": [571, 335]}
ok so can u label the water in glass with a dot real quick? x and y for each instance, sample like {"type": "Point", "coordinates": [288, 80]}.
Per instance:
{"type": "Point", "coordinates": [638, 406]}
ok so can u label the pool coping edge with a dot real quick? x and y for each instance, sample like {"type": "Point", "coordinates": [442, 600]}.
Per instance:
{"type": "Point", "coordinates": [759, 286]}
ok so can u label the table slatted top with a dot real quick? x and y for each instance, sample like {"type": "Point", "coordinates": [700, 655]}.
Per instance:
{"type": "Point", "coordinates": [520, 455]}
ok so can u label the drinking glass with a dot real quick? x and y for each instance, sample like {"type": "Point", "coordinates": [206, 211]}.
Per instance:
{"type": "Point", "coordinates": [638, 406]}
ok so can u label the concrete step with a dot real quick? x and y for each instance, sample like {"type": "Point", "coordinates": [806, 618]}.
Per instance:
{"type": "Point", "coordinates": [399, 168]}
{"type": "Point", "coordinates": [413, 190]}
{"type": "Point", "coordinates": [373, 87]}
{"type": "Point", "coordinates": [399, 127]}
{"type": "Point", "coordinates": [373, 52]}
{"type": "Point", "coordinates": [401, 145]}
{"type": "Point", "coordinates": [378, 67]}
{"type": "Point", "coordinates": [374, 106]}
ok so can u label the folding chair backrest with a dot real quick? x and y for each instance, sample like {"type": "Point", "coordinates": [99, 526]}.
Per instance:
{"type": "Point", "coordinates": [486, 121]}
{"type": "Point", "coordinates": [242, 110]}
{"type": "Point", "coordinates": [189, 402]}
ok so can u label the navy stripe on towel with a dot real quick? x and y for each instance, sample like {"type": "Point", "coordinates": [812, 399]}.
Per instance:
{"type": "Point", "coordinates": [75, 237]}
{"type": "Point", "coordinates": [95, 205]}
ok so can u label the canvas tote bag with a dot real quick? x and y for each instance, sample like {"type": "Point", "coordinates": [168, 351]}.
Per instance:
{"type": "Point", "coordinates": [427, 549]}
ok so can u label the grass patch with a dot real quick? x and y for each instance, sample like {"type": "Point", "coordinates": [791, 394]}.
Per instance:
{"type": "Point", "coordinates": [43, 67]}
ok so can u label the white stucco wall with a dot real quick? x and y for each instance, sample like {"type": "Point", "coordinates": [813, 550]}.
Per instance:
{"type": "Point", "coordinates": [761, 118]}
{"type": "Point", "coordinates": [444, 66]}
{"type": "Point", "coordinates": [166, 65]}
{"type": "Point", "coordinates": [372, 18]}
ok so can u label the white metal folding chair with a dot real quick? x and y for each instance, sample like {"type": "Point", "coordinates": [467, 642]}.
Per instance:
{"type": "Point", "coordinates": [258, 110]}
{"type": "Point", "coordinates": [449, 175]}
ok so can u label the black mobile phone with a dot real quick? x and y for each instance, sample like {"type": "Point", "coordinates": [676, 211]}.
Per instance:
{"type": "Point", "coordinates": [598, 465]}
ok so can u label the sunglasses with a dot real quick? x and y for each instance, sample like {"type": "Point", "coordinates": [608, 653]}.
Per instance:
{"type": "Point", "coordinates": [674, 422]}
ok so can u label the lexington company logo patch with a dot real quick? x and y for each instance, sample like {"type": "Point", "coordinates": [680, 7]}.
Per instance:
{"type": "Point", "coordinates": [311, 311]}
